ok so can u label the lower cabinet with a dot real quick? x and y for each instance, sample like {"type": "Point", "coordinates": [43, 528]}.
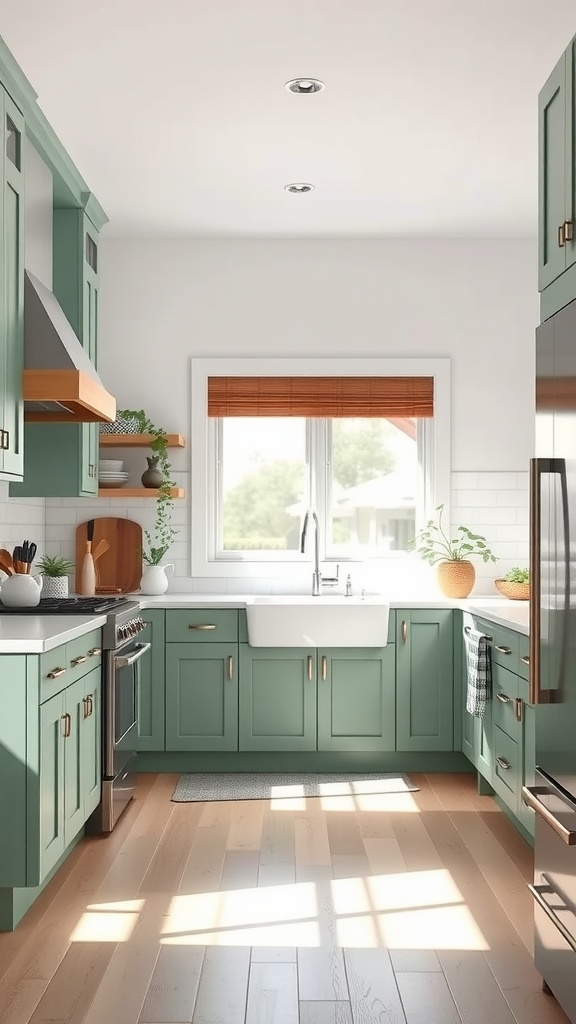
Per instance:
{"type": "Point", "coordinates": [202, 696]}
{"type": "Point", "coordinates": [357, 698]}
{"type": "Point", "coordinates": [277, 698]}
{"type": "Point", "coordinates": [151, 685]}
{"type": "Point", "coordinates": [424, 680]}
{"type": "Point", "coordinates": [69, 770]}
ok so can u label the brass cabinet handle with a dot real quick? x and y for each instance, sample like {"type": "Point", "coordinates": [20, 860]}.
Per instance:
{"type": "Point", "coordinates": [310, 666]}
{"type": "Point", "coordinates": [525, 659]}
{"type": "Point", "coordinates": [90, 704]}
{"type": "Point", "coordinates": [94, 651]}
{"type": "Point", "coordinates": [67, 719]}
{"type": "Point", "coordinates": [404, 631]}
{"type": "Point", "coordinates": [518, 708]}
{"type": "Point", "coordinates": [561, 236]}
{"type": "Point", "coordinates": [530, 796]}
{"type": "Point", "coordinates": [203, 625]}
{"type": "Point", "coordinates": [86, 707]}
{"type": "Point", "coordinates": [79, 660]}
{"type": "Point", "coordinates": [568, 230]}
{"type": "Point", "coordinates": [503, 762]}
{"type": "Point", "coordinates": [6, 436]}
{"type": "Point", "coordinates": [503, 649]}
{"type": "Point", "coordinates": [230, 667]}
{"type": "Point", "coordinates": [503, 698]}
{"type": "Point", "coordinates": [56, 673]}
{"type": "Point", "coordinates": [324, 671]}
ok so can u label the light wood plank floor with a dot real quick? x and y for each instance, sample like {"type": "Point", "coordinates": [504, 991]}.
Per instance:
{"type": "Point", "coordinates": [360, 909]}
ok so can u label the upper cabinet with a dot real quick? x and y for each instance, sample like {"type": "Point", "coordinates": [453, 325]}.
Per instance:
{"type": "Point", "coordinates": [557, 185]}
{"type": "Point", "coordinates": [11, 290]}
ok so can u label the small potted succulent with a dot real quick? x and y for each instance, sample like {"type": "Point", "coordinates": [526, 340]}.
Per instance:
{"type": "Point", "coordinates": [54, 571]}
{"type": "Point", "coordinates": [456, 574]}
{"type": "Point", "coordinates": [515, 585]}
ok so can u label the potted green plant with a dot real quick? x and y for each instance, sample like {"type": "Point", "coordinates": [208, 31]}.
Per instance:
{"type": "Point", "coordinates": [515, 585]}
{"type": "Point", "coordinates": [157, 540]}
{"type": "Point", "coordinates": [456, 573]}
{"type": "Point", "coordinates": [54, 571]}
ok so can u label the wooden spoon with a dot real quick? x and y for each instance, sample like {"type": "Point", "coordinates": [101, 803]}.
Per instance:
{"type": "Point", "coordinates": [8, 569]}
{"type": "Point", "coordinates": [7, 558]}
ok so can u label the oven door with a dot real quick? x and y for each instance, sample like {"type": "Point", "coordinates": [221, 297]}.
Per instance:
{"type": "Point", "coordinates": [122, 705]}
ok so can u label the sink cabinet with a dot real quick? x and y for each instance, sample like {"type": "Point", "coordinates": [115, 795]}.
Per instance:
{"type": "Point", "coordinates": [277, 708]}
{"type": "Point", "coordinates": [357, 698]}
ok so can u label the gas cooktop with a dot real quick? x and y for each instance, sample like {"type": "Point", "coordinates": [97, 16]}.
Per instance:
{"type": "Point", "coordinates": [69, 606]}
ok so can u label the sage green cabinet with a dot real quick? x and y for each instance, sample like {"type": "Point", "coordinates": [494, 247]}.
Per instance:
{"type": "Point", "coordinates": [528, 764]}
{"type": "Point", "coordinates": [554, 173]}
{"type": "Point", "coordinates": [74, 472]}
{"type": "Point", "coordinates": [201, 696]}
{"type": "Point", "coordinates": [11, 291]}
{"type": "Point", "coordinates": [424, 680]}
{"type": "Point", "coordinates": [70, 768]}
{"type": "Point", "coordinates": [151, 684]}
{"type": "Point", "coordinates": [277, 698]}
{"type": "Point", "coordinates": [357, 698]}
{"type": "Point", "coordinates": [17, 767]}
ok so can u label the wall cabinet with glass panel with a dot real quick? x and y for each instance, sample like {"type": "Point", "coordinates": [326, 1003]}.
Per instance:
{"type": "Point", "coordinates": [11, 291]}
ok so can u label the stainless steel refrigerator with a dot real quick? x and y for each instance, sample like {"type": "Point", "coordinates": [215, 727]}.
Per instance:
{"type": "Point", "coordinates": [553, 655]}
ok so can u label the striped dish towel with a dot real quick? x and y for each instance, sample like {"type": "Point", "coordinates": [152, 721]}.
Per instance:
{"type": "Point", "coordinates": [479, 676]}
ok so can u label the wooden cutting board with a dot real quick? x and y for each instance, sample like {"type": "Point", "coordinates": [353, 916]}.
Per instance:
{"type": "Point", "coordinates": [118, 570]}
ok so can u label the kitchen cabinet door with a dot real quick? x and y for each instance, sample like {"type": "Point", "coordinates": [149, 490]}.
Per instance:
{"type": "Point", "coordinates": [201, 697]}
{"type": "Point", "coordinates": [526, 815]}
{"type": "Point", "coordinates": [51, 785]}
{"type": "Point", "coordinates": [356, 698]}
{"type": "Point", "coordinates": [277, 698]}
{"type": "Point", "coordinates": [91, 744]}
{"type": "Point", "coordinates": [553, 183]}
{"type": "Point", "coordinates": [151, 685]}
{"type": "Point", "coordinates": [11, 292]}
{"type": "Point", "coordinates": [13, 770]}
{"type": "Point", "coordinates": [74, 741]}
{"type": "Point", "coordinates": [484, 743]}
{"type": "Point", "coordinates": [424, 680]}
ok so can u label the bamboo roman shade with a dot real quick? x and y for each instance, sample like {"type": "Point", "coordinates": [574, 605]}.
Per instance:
{"type": "Point", "coordinates": [326, 397]}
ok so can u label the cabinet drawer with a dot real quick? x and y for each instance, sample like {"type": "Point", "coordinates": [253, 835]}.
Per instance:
{"type": "Point", "coordinates": [523, 655]}
{"type": "Point", "coordinates": [504, 701]}
{"type": "Point", "coordinates": [69, 662]}
{"type": "Point", "coordinates": [503, 645]}
{"type": "Point", "coordinates": [197, 625]}
{"type": "Point", "coordinates": [506, 774]}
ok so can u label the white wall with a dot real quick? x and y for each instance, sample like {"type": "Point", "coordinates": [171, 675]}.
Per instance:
{"type": "Point", "coordinates": [475, 302]}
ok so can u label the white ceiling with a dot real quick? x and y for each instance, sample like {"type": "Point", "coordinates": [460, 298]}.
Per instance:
{"type": "Point", "coordinates": [177, 117]}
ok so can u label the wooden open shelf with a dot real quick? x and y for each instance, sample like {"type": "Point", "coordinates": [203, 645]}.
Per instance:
{"type": "Point", "coordinates": [137, 492]}
{"type": "Point", "coordinates": [138, 440]}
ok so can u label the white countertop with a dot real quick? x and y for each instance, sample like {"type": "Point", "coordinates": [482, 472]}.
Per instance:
{"type": "Point", "coordinates": [35, 634]}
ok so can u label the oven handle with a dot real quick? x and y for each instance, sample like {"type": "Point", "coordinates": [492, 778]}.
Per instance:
{"type": "Point", "coordinates": [130, 659]}
{"type": "Point", "coordinates": [538, 894]}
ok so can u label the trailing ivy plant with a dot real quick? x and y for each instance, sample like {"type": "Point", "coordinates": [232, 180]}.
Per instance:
{"type": "Point", "coordinates": [159, 539]}
{"type": "Point", "coordinates": [434, 545]}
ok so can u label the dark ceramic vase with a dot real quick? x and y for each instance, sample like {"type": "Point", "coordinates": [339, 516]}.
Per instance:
{"type": "Point", "coordinates": [152, 477]}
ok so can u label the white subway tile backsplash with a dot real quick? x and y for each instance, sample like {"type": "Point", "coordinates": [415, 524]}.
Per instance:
{"type": "Point", "coordinates": [510, 498]}
{"type": "Point", "coordinates": [464, 481]}
{"type": "Point", "coordinates": [479, 498]}
{"type": "Point", "coordinates": [498, 481]}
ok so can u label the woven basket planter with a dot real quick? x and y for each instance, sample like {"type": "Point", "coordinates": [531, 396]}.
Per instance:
{"type": "Point", "coordinates": [514, 591]}
{"type": "Point", "coordinates": [456, 579]}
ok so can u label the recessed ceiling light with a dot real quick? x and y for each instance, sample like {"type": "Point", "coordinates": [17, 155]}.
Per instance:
{"type": "Point", "coordinates": [299, 186]}
{"type": "Point", "coordinates": [305, 86]}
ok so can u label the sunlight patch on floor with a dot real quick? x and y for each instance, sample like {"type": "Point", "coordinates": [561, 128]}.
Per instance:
{"type": "Point", "coordinates": [105, 926]}
{"type": "Point", "coordinates": [431, 928]}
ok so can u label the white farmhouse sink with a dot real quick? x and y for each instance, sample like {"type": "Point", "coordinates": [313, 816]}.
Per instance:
{"type": "Point", "coordinates": [327, 621]}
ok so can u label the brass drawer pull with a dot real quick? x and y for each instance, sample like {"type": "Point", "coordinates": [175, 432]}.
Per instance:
{"type": "Point", "coordinates": [404, 631]}
{"type": "Point", "coordinates": [503, 698]}
{"type": "Point", "coordinates": [230, 667]}
{"type": "Point", "coordinates": [94, 651]}
{"type": "Point", "coordinates": [568, 230]}
{"type": "Point", "coordinates": [90, 700]}
{"type": "Point", "coordinates": [79, 660]}
{"type": "Point", "coordinates": [310, 666]}
{"type": "Point", "coordinates": [503, 763]}
{"type": "Point", "coordinates": [525, 659]}
{"type": "Point", "coordinates": [503, 650]}
{"type": "Point", "coordinates": [67, 719]}
{"type": "Point", "coordinates": [518, 702]}
{"type": "Point", "coordinates": [56, 673]}
{"type": "Point", "coordinates": [324, 671]}
{"type": "Point", "coordinates": [85, 701]}
{"type": "Point", "coordinates": [203, 625]}
{"type": "Point", "coordinates": [561, 236]}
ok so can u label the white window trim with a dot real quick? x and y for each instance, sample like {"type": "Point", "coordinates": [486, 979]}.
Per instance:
{"type": "Point", "coordinates": [203, 476]}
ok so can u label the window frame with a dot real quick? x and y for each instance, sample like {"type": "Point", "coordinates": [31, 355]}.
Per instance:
{"type": "Point", "coordinates": [205, 469]}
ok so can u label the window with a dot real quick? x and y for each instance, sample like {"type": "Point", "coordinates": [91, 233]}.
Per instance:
{"type": "Point", "coordinates": [371, 479]}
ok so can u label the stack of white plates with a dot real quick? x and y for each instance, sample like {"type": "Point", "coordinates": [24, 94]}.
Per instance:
{"type": "Point", "coordinates": [107, 479]}
{"type": "Point", "coordinates": [110, 466]}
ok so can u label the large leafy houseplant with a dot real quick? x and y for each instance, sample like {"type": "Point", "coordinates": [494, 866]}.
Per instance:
{"type": "Point", "coordinates": [158, 540]}
{"type": "Point", "coordinates": [456, 574]}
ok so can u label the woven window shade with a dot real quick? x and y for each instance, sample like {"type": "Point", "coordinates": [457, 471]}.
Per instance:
{"type": "Point", "coordinates": [326, 397]}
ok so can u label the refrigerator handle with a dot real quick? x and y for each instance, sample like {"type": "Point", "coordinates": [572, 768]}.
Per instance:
{"type": "Point", "coordinates": [539, 468]}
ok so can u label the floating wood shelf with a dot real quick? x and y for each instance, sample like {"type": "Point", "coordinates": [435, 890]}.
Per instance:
{"type": "Point", "coordinates": [137, 492]}
{"type": "Point", "coordinates": [138, 440]}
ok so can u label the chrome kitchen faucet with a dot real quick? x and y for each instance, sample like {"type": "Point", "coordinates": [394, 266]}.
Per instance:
{"type": "Point", "coordinates": [317, 581]}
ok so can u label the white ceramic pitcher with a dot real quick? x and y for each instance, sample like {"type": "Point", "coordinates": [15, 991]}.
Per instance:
{"type": "Point", "coordinates": [155, 579]}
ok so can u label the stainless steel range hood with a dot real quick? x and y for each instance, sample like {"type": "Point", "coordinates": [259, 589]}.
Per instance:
{"type": "Point", "coordinates": [59, 382]}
